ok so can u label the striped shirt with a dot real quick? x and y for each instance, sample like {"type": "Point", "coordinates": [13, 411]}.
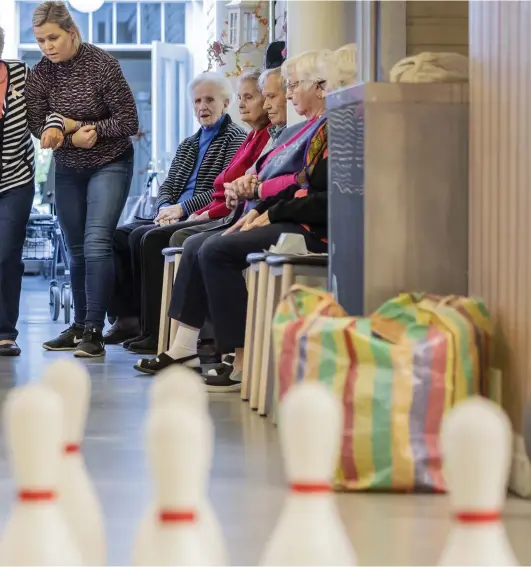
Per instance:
{"type": "Point", "coordinates": [16, 146]}
{"type": "Point", "coordinates": [217, 157]}
{"type": "Point", "coordinates": [89, 88]}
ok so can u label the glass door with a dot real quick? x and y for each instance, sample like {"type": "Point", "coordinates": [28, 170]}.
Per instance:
{"type": "Point", "coordinates": [171, 109]}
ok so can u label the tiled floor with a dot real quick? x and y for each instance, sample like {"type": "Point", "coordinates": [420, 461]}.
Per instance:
{"type": "Point", "coordinates": [247, 480]}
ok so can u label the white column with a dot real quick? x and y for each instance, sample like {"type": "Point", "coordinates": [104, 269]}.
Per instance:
{"type": "Point", "coordinates": [9, 22]}
{"type": "Point", "coordinates": [315, 24]}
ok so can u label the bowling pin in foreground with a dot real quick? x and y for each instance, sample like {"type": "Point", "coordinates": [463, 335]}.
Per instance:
{"type": "Point", "coordinates": [177, 448]}
{"type": "Point", "coordinates": [77, 495]}
{"type": "Point", "coordinates": [476, 445]}
{"type": "Point", "coordinates": [36, 532]}
{"type": "Point", "coordinates": [178, 386]}
{"type": "Point", "coordinates": [310, 530]}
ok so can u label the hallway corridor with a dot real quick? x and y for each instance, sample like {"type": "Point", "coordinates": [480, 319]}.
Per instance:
{"type": "Point", "coordinates": [247, 483]}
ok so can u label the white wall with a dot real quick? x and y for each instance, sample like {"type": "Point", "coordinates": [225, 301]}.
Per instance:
{"type": "Point", "coordinates": [9, 23]}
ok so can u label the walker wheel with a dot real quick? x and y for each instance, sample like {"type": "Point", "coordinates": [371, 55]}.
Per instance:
{"type": "Point", "coordinates": [55, 302]}
{"type": "Point", "coordinates": [66, 301]}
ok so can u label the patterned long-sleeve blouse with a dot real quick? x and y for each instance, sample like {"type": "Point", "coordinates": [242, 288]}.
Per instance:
{"type": "Point", "coordinates": [89, 88]}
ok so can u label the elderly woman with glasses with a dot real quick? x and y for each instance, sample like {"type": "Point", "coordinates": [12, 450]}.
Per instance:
{"type": "Point", "coordinates": [17, 190]}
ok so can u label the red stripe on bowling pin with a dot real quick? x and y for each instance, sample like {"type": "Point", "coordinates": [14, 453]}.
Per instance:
{"type": "Point", "coordinates": [71, 448]}
{"type": "Point", "coordinates": [177, 516]}
{"type": "Point", "coordinates": [36, 495]}
{"type": "Point", "coordinates": [309, 488]}
{"type": "Point", "coordinates": [485, 517]}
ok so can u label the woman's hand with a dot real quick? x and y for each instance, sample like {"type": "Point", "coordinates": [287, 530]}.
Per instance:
{"type": "Point", "coordinates": [169, 215]}
{"type": "Point", "coordinates": [244, 186]}
{"type": "Point", "coordinates": [244, 221]}
{"type": "Point", "coordinates": [52, 139]}
{"type": "Point", "coordinates": [86, 137]}
{"type": "Point", "coordinates": [231, 198]}
{"type": "Point", "coordinates": [262, 220]}
{"type": "Point", "coordinates": [196, 217]}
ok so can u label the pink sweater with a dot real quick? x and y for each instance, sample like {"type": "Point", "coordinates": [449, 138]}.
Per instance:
{"type": "Point", "coordinates": [273, 186]}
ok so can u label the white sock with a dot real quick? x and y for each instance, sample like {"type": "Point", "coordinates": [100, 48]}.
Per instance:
{"type": "Point", "coordinates": [185, 344]}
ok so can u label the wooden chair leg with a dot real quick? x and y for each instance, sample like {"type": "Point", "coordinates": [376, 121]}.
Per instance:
{"type": "Point", "coordinates": [288, 279]}
{"type": "Point", "coordinates": [173, 323]}
{"type": "Point", "coordinates": [249, 331]}
{"type": "Point", "coordinates": [267, 368]}
{"type": "Point", "coordinates": [258, 334]}
{"type": "Point", "coordinates": [164, 325]}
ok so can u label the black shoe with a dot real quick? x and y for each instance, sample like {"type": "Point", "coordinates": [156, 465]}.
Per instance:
{"type": "Point", "coordinates": [117, 336]}
{"type": "Point", "coordinates": [145, 346]}
{"type": "Point", "coordinates": [10, 349]}
{"type": "Point", "coordinates": [69, 339]}
{"type": "Point", "coordinates": [223, 379]}
{"type": "Point", "coordinates": [154, 365]}
{"type": "Point", "coordinates": [129, 342]}
{"type": "Point", "coordinates": [92, 344]}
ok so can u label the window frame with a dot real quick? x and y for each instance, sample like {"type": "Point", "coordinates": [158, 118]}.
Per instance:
{"type": "Point", "coordinates": [114, 46]}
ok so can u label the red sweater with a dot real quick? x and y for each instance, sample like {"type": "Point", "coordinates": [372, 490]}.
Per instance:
{"type": "Point", "coordinates": [243, 159]}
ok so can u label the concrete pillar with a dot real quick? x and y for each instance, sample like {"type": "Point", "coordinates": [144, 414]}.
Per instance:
{"type": "Point", "coordinates": [316, 24]}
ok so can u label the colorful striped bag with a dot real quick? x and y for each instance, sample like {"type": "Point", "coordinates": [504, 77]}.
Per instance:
{"type": "Point", "coordinates": [397, 373]}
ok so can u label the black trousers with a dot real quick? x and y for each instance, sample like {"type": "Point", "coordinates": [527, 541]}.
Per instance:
{"type": "Point", "coordinates": [139, 269]}
{"type": "Point", "coordinates": [15, 208]}
{"type": "Point", "coordinates": [210, 279]}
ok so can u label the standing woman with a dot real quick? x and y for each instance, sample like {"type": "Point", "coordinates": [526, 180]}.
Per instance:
{"type": "Point", "coordinates": [83, 87]}
{"type": "Point", "coordinates": [17, 189]}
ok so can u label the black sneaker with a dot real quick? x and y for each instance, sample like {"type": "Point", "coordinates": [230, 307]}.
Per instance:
{"type": "Point", "coordinates": [69, 339]}
{"type": "Point", "coordinates": [92, 344]}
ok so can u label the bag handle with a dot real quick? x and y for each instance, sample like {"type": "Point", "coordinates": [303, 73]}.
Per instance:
{"type": "Point", "coordinates": [326, 298]}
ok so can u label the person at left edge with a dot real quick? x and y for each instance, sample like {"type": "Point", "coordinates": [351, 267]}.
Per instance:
{"type": "Point", "coordinates": [83, 86]}
{"type": "Point", "coordinates": [17, 188]}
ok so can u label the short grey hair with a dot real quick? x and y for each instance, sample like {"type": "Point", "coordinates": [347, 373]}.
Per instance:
{"type": "Point", "coordinates": [217, 79]}
{"type": "Point", "coordinates": [2, 40]}
{"type": "Point", "coordinates": [270, 73]}
{"type": "Point", "coordinates": [251, 75]}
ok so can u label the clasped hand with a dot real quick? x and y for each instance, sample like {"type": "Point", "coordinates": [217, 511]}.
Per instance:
{"type": "Point", "coordinates": [86, 138]}
{"type": "Point", "coordinates": [169, 215]}
{"type": "Point", "coordinates": [249, 221]}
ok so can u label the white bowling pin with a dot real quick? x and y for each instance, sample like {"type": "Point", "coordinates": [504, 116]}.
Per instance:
{"type": "Point", "coordinates": [476, 445]}
{"type": "Point", "coordinates": [178, 386]}
{"type": "Point", "coordinates": [77, 495]}
{"type": "Point", "coordinates": [178, 455]}
{"type": "Point", "coordinates": [36, 532]}
{"type": "Point", "coordinates": [310, 530]}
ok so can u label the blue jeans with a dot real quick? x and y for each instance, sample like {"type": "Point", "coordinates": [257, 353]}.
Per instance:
{"type": "Point", "coordinates": [15, 209]}
{"type": "Point", "coordinates": [89, 204]}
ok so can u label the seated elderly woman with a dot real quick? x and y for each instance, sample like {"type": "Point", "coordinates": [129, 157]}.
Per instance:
{"type": "Point", "coordinates": [211, 265]}
{"type": "Point", "coordinates": [219, 152]}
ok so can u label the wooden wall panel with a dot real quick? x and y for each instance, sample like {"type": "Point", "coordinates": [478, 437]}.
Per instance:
{"type": "Point", "coordinates": [437, 26]}
{"type": "Point", "coordinates": [500, 185]}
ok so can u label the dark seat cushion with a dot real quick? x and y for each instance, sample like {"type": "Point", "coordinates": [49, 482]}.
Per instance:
{"type": "Point", "coordinates": [297, 260]}
{"type": "Point", "coordinates": [255, 257]}
{"type": "Point", "coordinates": [172, 251]}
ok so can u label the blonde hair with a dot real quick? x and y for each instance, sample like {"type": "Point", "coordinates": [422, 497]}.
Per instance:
{"type": "Point", "coordinates": [340, 67]}
{"type": "Point", "coordinates": [306, 67]}
{"type": "Point", "coordinates": [55, 12]}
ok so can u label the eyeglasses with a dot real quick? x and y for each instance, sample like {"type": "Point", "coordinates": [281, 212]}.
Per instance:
{"type": "Point", "coordinates": [292, 85]}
